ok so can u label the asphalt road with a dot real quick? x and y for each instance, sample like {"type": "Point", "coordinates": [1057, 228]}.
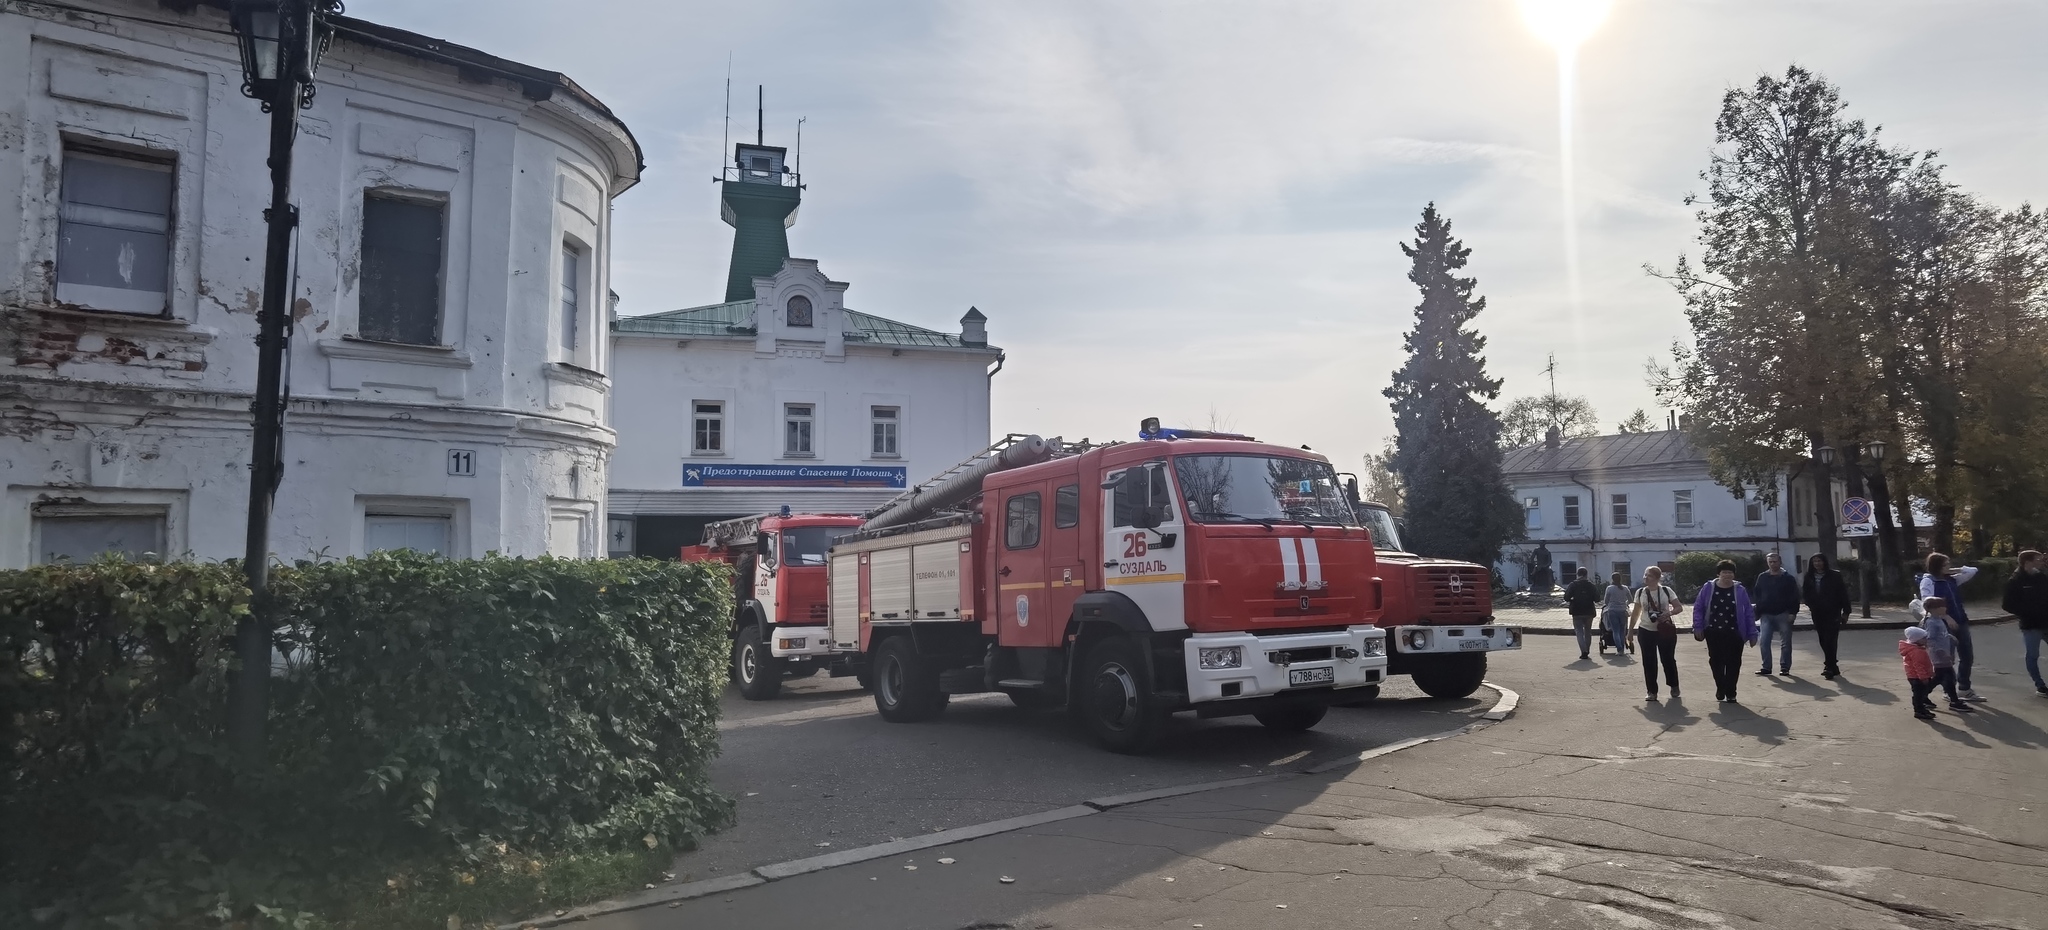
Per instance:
{"type": "Point", "coordinates": [1812, 804]}
{"type": "Point", "coordinates": [819, 766]}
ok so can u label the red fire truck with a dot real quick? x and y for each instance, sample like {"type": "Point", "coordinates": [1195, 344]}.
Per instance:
{"type": "Point", "coordinates": [1187, 571]}
{"type": "Point", "coordinates": [779, 596]}
{"type": "Point", "coordinates": [1438, 613]}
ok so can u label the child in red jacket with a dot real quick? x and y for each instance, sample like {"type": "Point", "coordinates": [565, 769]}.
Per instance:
{"type": "Point", "coordinates": [1919, 671]}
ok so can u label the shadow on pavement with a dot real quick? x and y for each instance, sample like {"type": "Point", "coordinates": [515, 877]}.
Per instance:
{"type": "Point", "coordinates": [1671, 714]}
{"type": "Point", "coordinates": [1735, 718]}
{"type": "Point", "coordinates": [1866, 694]}
{"type": "Point", "coordinates": [2006, 728]}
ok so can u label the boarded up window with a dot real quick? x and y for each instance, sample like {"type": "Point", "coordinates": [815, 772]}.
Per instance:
{"type": "Point", "coordinates": [114, 233]}
{"type": "Point", "coordinates": [401, 270]}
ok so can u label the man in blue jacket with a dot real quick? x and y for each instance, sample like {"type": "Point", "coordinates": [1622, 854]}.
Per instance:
{"type": "Point", "coordinates": [1776, 593]}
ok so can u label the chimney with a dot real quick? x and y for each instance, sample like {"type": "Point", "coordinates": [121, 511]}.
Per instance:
{"type": "Point", "coordinates": [1552, 437]}
{"type": "Point", "coordinates": [1684, 421]}
{"type": "Point", "coordinates": [974, 328]}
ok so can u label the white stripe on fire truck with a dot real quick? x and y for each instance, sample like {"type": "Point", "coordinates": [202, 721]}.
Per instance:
{"type": "Point", "coordinates": [1290, 566]}
{"type": "Point", "coordinates": [1312, 561]}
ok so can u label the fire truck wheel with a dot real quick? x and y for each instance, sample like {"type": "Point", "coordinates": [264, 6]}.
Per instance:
{"type": "Point", "coordinates": [906, 685]}
{"type": "Point", "coordinates": [758, 673]}
{"type": "Point", "coordinates": [1450, 677]}
{"type": "Point", "coordinates": [1292, 719]}
{"type": "Point", "coordinates": [1116, 701]}
{"type": "Point", "coordinates": [1359, 697]}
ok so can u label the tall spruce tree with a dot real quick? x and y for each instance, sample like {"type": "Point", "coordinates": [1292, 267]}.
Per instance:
{"type": "Point", "coordinates": [1447, 448]}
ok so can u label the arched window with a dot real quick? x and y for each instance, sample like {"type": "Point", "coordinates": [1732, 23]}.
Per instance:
{"type": "Point", "coordinates": [799, 311]}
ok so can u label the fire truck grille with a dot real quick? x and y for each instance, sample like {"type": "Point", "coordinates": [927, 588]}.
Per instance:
{"type": "Point", "coordinates": [1448, 594]}
{"type": "Point", "coordinates": [819, 611]}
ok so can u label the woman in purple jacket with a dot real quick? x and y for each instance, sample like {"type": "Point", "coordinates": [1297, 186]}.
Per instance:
{"type": "Point", "coordinates": [1724, 618]}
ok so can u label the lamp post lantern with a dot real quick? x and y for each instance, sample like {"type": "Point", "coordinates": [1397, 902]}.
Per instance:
{"type": "Point", "coordinates": [281, 43]}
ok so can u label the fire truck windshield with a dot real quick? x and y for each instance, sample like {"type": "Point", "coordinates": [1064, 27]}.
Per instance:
{"type": "Point", "coordinates": [1261, 489]}
{"type": "Point", "coordinates": [1386, 536]}
{"type": "Point", "coordinates": [806, 545]}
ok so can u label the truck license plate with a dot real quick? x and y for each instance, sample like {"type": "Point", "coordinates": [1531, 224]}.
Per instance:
{"type": "Point", "coordinates": [1310, 676]}
{"type": "Point", "coordinates": [1472, 645]}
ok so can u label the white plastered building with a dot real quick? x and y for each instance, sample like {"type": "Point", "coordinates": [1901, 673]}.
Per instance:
{"type": "Point", "coordinates": [745, 407]}
{"type": "Point", "coordinates": [447, 368]}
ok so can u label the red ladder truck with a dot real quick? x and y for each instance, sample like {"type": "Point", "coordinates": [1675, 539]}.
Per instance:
{"type": "Point", "coordinates": [1187, 571]}
{"type": "Point", "coordinates": [779, 595]}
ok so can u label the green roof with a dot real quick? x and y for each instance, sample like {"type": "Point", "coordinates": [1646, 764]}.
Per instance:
{"type": "Point", "coordinates": [736, 318]}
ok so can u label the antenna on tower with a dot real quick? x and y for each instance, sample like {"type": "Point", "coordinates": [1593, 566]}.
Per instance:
{"type": "Point", "coordinates": [1551, 370]}
{"type": "Point", "coordinates": [725, 141]}
{"type": "Point", "coordinates": [800, 145]}
{"type": "Point", "coordinates": [760, 114]}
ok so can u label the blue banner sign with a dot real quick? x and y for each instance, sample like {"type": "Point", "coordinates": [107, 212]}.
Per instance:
{"type": "Point", "coordinates": [723, 475]}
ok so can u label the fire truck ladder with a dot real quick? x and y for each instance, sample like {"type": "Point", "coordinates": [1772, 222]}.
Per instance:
{"type": "Point", "coordinates": [970, 464]}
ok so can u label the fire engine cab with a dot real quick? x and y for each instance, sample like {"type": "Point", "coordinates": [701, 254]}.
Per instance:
{"type": "Point", "coordinates": [779, 594]}
{"type": "Point", "coordinates": [1188, 571]}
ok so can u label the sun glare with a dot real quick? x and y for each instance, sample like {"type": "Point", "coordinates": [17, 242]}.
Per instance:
{"type": "Point", "coordinates": [1564, 23]}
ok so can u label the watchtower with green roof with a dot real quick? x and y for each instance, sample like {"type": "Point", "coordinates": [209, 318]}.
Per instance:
{"type": "Point", "coordinates": [759, 201]}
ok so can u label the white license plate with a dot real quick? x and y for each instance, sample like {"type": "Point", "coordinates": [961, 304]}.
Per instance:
{"type": "Point", "coordinates": [1472, 645]}
{"type": "Point", "coordinates": [1310, 676]}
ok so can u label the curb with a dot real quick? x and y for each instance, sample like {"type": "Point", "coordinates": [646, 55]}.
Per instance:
{"type": "Point", "coordinates": [761, 875]}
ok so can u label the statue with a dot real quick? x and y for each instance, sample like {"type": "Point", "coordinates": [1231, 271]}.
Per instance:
{"type": "Point", "coordinates": [1540, 578]}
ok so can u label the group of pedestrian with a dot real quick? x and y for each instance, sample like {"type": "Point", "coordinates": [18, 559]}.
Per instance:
{"type": "Point", "coordinates": [1730, 617]}
{"type": "Point", "coordinates": [1939, 652]}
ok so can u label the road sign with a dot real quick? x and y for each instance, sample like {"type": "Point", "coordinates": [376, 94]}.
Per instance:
{"type": "Point", "coordinates": [1856, 518]}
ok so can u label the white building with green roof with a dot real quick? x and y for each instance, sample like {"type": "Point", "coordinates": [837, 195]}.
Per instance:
{"type": "Point", "coordinates": [789, 399]}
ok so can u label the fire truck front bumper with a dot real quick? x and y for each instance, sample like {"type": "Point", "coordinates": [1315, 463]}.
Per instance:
{"type": "Point", "coordinates": [796, 642]}
{"type": "Point", "coordinates": [1435, 640]}
{"type": "Point", "coordinates": [1235, 666]}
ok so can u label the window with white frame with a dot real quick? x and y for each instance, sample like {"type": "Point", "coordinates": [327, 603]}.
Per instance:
{"type": "Point", "coordinates": [1532, 513]}
{"type": "Point", "coordinates": [1626, 570]}
{"type": "Point", "coordinates": [114, 232]}
{"type": "Point", "coordinates": [798, 421]}
{"type": "Point", "coordinates": [883, 422]}
{"type": "Point", "coordinates": [1571, 511]}
{"type": "Point", "coordinates": [572, 291]}
{"type": "Point", "coordinates": [401, 280]}
{"type": "Point", "coordinates": [81, 534]}
{"type": "Point", "coordinates": [707, 427]}
{"type": "Point", "coordinates": [1617, 505]}
{"type": "Point", "coordinates": [1752, 511]}
{"type": "Point", "coordinates": [428, 533]}
{"type": "Point", "coordinates": [1681, 507]}
{"type": "Point", "coordinates": [798, 311]}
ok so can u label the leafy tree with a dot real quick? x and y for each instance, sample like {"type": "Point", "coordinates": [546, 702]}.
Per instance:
{"type": "Point", "coordinates": [1637, 422]}
{"type": "Point", "coordinates": [1529, 419]}
{"type": "Point", "coordinates": [1447, 446]}
{"type": "Point", "coordinates": [1778, 301]}
{"type": "Point", "coordinates": [1382, 483]}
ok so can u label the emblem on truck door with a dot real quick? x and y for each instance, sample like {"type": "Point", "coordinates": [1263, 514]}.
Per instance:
{"type": "Point", "coordinates": [1023, 610]}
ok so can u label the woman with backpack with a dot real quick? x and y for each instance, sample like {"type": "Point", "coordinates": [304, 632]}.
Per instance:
{"type": "Point", "coordinates": [1656, 635]}
{"type": "Point", "coordinates": [1945, 582]}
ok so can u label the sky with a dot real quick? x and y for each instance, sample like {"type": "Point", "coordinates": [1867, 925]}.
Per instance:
{"type": "Point", "coordinates": [1193, 210]}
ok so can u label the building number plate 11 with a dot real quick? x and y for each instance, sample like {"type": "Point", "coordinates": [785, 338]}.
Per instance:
{"type": "Point", "coordinates": [462, 462]}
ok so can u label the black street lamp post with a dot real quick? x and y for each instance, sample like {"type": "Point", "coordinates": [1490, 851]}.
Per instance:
{"type": "Point", "coordinates": [281, 42]}
{"type": "Point", "coordinates": [1866, 548]}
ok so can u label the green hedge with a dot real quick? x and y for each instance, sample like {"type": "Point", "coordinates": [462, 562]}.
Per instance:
{"type": "Point", "coordinates": [435, 717]}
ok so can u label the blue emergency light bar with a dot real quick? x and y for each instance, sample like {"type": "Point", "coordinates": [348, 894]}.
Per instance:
{"type": "Point", "coordinates": [1149, 429]}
